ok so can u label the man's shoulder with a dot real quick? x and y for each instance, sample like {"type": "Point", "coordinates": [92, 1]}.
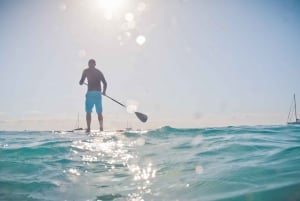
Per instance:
{"type": "Point", "coordinates": [98, 71]}
{"type": "Point", "coordinates": [93, 71]}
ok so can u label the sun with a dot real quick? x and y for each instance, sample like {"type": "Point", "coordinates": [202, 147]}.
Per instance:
{"type": "Point", "coordinates": [111, 5]}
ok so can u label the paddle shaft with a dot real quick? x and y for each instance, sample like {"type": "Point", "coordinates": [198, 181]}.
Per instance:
{"type": "Point", "coordinates": [114, 100]}
{"type": "Point", "coordinates": [111, 98]}
{"type": "Point", "coordinates": [142, 117]}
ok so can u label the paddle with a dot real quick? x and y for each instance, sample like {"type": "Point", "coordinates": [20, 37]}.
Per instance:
{"type": "Point", "coordinates": [142, 117]}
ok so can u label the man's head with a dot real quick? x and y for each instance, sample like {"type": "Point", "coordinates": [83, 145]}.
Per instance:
{"type": "Point", "coordinates": [92, 63]}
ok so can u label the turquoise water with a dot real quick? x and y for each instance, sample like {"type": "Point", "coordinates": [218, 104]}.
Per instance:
{"type": "Point", "coordinates": [231, 163]}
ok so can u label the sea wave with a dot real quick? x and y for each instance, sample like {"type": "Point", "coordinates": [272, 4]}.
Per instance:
{"type": "Point", "coordinates": [225, 163]}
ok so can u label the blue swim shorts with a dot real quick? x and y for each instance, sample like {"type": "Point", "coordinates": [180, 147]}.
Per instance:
{"type": "Point", "coordinates": [93, 98]}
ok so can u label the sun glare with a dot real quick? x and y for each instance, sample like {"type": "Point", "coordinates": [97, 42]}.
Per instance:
{"type": "Point", "coordinates": [110, 5]}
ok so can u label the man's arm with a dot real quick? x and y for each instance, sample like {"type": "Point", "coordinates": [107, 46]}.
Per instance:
{"type": "Point", "coordinates": [104, 84]}
{"type": "Point", "coordinates": [83, 76]}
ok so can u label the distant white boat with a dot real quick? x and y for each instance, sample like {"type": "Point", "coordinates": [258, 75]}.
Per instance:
{"type": "Point", "coordinates": [77, 128]}
{"type": "Point", "coordinates": [292, 117]}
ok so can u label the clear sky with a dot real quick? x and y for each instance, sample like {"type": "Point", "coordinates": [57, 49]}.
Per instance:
{"type": "Point", "coordinates": [186, 63]}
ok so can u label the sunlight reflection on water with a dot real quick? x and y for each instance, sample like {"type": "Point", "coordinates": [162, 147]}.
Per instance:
{"type": "Point", "coordinates": [113, 149]}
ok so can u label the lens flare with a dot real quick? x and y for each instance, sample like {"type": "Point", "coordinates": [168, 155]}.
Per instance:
{"type": "Point", "coordinates": [141, 40]}
{"type": "Point", "coordinates": [199, 169]}
{"type": "Point", "coordinates": [129, 17]}
{"type": "Point", "coordinates": [141, 7]}
{"type": "Point", "coordinates": [63, 7]}
{"type": "Point", "coordinates": [82, 53]}
{"type": "Point", "coordinates": [131, 106]}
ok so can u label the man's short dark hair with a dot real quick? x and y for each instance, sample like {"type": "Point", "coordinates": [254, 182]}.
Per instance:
{"type": "Point", "coordinates": [92, 62]}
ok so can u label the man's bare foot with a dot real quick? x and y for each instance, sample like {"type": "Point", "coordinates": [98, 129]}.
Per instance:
{"type": "Point", "coordinates": [101, 129]}
{"type": "Point", "coordinates": [87, 130]}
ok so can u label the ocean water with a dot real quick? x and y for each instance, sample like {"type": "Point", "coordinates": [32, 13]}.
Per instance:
{"type": "Point", "coordinates": [232, 163]}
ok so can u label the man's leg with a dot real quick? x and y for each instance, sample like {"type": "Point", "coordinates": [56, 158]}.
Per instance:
{"type": "Point", "coordinates": [98, 104]}
{"type": "Point", "coordinates": [88, 121]}
{"type": "Point", "coordinates": [88, 110]}
{"type": "Point", "coordinates": [100, 118]}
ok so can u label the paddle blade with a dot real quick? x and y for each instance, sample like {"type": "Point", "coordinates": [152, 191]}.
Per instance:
{"type": "Point", "coordinates": [141, 116]}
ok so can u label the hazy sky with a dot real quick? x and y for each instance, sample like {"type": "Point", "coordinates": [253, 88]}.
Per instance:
{"type": "Point", "coordinates": [186, 63]}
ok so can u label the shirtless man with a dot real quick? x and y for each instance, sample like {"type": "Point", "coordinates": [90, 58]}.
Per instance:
{"type": "Point", "coordinates": [93, 95]}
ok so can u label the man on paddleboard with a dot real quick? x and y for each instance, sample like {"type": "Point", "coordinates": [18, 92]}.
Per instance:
{"type": "Point", "coordinates": [93, 95]}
